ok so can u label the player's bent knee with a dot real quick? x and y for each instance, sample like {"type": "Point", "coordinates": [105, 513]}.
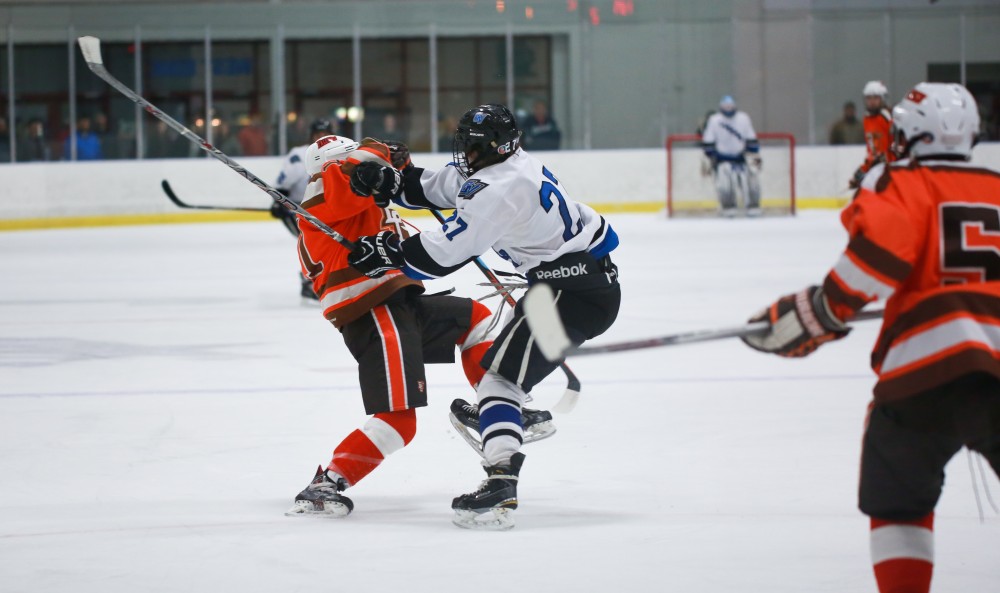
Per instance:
{"type": "Point", "coordinates": [391, 431]}
{"type": "Point", "coordinates": [479, 325]}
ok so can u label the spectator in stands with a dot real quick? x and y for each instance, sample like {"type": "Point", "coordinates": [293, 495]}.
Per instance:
{"type": "Point", "coordinates": [4, 141]}
{"type": "Point", "coordinates": [33, 145]}
{"type": "Point", "coordinates": [109, 142]}
{"type": "Point", "coordinates": [163, 143]}
{"type": "Point", "coordinates": [848, 129]}
{"type": "Point", "coordinates": [541, 131]}
{"type": "Point", "coordinates": [390, 129]}
{"type": "Point", "coordinates": [88, 145]}
{"type": "Point", "coordinates": [446, 133]}
{"type": "Point", "coordinates": [253, 138]}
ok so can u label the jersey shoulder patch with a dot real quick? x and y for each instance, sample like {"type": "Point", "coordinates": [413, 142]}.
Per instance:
{"type": "Point", "coordinates": [470, 188]}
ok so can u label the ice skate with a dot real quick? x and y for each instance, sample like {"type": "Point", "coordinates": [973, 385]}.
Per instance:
{"type": "Point", "coordinates": [492, 506]}
{"type": "Point", "coordinates": [309, 296]}
{"type": "Point", "coordinates": [537, 424]}
{"type": "Point", "coordinates": [322, 498]}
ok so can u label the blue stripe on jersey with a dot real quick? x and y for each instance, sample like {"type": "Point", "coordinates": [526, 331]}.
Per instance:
{"type": "Point", "coordinates": [498, 413]}
{"type": "Point", "coordinates": [607, 244]}
{"type": "Point", "coordinates": [415, 274]}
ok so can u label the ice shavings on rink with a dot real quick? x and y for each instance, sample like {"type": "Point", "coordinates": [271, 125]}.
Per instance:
{"type": "Point", "coordinates": [164, 396]}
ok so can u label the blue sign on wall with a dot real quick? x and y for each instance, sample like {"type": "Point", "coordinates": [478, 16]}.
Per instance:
{"type": "Point", "coordinates": [188, 67]}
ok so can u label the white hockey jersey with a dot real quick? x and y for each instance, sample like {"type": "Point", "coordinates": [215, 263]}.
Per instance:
{"type": "Point", "coordinates": [516, 207]}
{"type": "Point", "coordinates": [293, 177]}
{"type": "Point", "coordinates": [727, 138]}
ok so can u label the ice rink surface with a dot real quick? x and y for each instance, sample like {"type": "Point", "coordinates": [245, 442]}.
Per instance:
{"type": "Point", "coordinates": [164, 395]}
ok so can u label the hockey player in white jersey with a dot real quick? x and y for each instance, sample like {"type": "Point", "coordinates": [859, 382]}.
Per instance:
{"type": "Point", "coordinates": [504, 199]}
{"type": "Point", "coordinates": [732, 151]}
{"type": "Point", "coordinates": [292, 182]}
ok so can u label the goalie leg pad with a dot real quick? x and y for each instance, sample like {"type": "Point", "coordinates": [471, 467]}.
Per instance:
{"type": "Point", "coordinates": [725, 185]}
{"type": "Point", "coordinates": [753, 190]}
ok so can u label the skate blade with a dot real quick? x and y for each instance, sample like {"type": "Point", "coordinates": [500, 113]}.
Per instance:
{"type": "Point", "coordinates": [493, 520]}
{"type": "Point", "coordinates": [466, 433]}
{"type": "Point", "coordinates": [538, 432]}
{"type": "Point", "coordinates": [329, 510]}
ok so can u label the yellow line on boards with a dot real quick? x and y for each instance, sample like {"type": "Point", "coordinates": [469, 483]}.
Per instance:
{"type": "Point", "coordinates": [24, 224]}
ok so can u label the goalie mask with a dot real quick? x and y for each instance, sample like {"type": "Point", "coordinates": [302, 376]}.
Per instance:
{"type": "Point", "coordinates": [326, 150]}
{"type": "Point", "coordinates": [935, 119]}
{"type": "Point", "coordinates": [485, 136]}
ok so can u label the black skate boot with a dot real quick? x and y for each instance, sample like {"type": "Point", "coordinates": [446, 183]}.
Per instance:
{"type": "Point", "coordinates": [309, 296]}
{"type": "Point", "coordinates": [491, 506]}
{"type": "Point", "coordinates": [322, 498]}
{"type": "Point", "coordinates": [537, 424]}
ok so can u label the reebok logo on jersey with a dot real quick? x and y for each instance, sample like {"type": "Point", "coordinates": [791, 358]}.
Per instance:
{"type": "Point", "coordinates": [471, 188]}
{"type": "Point", "coordinates": [562, 272]}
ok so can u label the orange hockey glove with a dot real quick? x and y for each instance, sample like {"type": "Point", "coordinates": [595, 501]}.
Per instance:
{"type": "Point", "coordinates": [799, 324]}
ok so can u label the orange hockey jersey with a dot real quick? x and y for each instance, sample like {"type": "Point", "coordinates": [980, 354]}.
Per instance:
{"type": "Point", "coordinates": [878, 139]}
{"type": "Point", "coordinates": [346, 294]}
{"type": "Point", "coordinates": [925, 236]}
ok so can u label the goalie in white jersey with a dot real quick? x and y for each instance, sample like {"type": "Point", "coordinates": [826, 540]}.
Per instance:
{"type": "Point", "coordinates": [732, 151]}
{"type": "Point", "coordinates": [504, 199]}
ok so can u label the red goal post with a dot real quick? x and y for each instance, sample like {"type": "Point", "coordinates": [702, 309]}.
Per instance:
{"type": "Point", "coordinates": [686, 195]}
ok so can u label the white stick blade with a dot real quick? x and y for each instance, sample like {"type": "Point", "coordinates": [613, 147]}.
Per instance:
{"type": "Point", "coordinates": [567, 402]}
{"type": "Point", "coordinates": [91, 48]}
{"type": "Point", "coordinates": [543, 319]}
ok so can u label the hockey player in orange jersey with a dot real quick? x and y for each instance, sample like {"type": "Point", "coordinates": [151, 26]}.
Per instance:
{"type": "Point", "coordinates": [877, 125]}
{"type": "Point", "coordinates": [925, 237]}
{"type": "Point", "coordinates": [388, 326]}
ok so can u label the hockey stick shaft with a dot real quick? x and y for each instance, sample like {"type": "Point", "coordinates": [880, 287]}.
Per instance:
{"type": "Point", "coordinates": [572, 382]}
{"type": "Point", "coordinates": [91, 49]}
{"type": "Point", "coordinates": [543, 318]}
{"type": "Point", "coordinates": [693, 337]}
{"type": "Point", "coordinates": [182, 204]}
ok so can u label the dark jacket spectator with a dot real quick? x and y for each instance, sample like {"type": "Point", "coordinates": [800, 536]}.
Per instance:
{"type": "Point", "coordinates": [4, 141]}
{"type": "Point", "coordinates": [541, 131]}
{"type": "Point", "coordinates": [848, 129]}
{"type": "Point", "coordinates": [33, 145]}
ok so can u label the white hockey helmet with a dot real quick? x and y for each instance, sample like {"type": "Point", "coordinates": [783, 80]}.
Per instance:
{"type": "Point", "coordinates": [727, 105]}
{"type": "Point", "coordinates": [935, 119]}
{"type": "Point", "coordinates": [326, 150]}
{"type": "Point", "coordinates": [875, 88]}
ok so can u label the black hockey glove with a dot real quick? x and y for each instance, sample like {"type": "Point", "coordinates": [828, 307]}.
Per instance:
{"type": "Point", "coordinates": [800, 323]}
{"type": "Point", "coordinates": [374, 255]}
{"type": "Point", "coordinates": [856, 179]}
{"type": "Point", "coordinates": [286, 216]}
{"type": "Point", "coordinates": [400, 155]}
{"type": "Point", "coordinates": [381, 182]}
{"type": "Point", "coordinates": [277, 210]}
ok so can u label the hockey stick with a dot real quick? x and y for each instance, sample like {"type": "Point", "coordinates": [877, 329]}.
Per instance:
{"type": "Point", "coordinates": [569, 398]}
{"type": "Point", "coordinates": [181, 204]}
{"type": "Point", "coordinates": [550, 335]}
{"type": "Point", "coordinates": [91, 49]}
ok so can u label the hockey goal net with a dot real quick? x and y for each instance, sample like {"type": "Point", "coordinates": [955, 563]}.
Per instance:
{"type": "Point", "coordinates": [691, 193]}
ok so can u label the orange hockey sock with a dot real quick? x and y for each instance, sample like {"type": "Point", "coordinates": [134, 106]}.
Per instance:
{"type": "Point", "coordinates": [363, 450]}
{"type": "Point", "coordinates": [474, 343]}
{"type": "Point", "coordinates": [903, 554]}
